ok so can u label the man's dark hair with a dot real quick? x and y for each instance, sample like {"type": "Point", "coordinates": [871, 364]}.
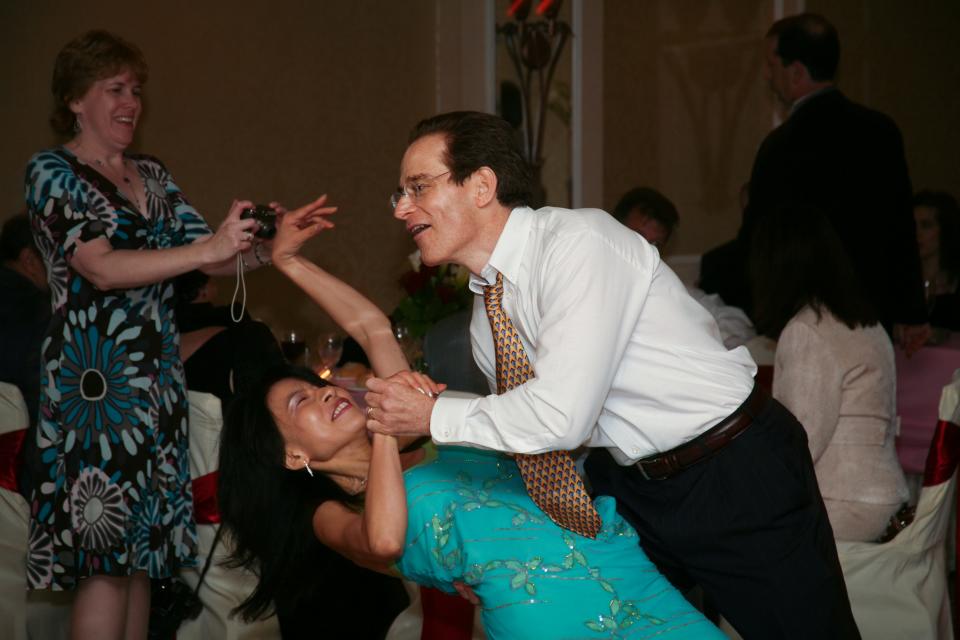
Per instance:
{"type": "Point", "coordinates": [808, 38]}
{"type": "Point", "coordinates": [947, 213]}
{"type": "Point", "coordinates": [15, 236]}
{"type": "Point", "coordinates": [652, 204]}
{"type": "Point", "coordinates": [476, 140]}
{"type": "Point", "coordinates": [188, 285]}
{"type": "Point", "coordinates": [797, 260]}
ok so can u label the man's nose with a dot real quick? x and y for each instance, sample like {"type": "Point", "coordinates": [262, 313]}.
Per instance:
{"type": "Point", "coordinates": [403, 208]}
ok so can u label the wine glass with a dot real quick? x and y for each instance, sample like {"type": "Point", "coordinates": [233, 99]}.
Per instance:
{"type": "Point", "coordinates": [329, 351]}
{"type": "Point", "coordinates": [294, 347]}
{"type": "Point", "coordinates": [408, 344]}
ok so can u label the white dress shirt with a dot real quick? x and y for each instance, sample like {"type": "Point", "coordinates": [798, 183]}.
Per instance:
{"type": "Point", "coordinates": [624, 357]}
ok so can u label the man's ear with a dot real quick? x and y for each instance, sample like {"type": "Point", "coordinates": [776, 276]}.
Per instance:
{"type": "Point", "coordinates": [29, 256]}
{"type": "Point", "coordinates": [485, 186]}
{"type": "Point", "coordinates": [798, 73]}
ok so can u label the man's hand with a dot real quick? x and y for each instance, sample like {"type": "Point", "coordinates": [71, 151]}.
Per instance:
{"type": "Point", "coordinates": [911, 336]}
{"type": "Point", "coordinates": [396, 408]}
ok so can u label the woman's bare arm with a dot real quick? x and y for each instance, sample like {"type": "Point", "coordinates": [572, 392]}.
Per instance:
{"type": "Point", "coordinates": [350, 309]}
{"type": "Point", "coordinates": [108, 268]}
{"type": "Point", "coordinates": [375, 537]}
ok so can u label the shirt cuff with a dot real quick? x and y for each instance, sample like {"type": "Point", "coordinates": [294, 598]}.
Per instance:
{"type": "Point", "coordinates": [447, 418]}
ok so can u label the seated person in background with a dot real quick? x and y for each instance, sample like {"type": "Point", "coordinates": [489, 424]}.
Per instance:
{"type": "Point", "coordinates": [834, 366]}
{"type": "Point", "coordinates": [296, 451]}
{"type": "Point", "coordinates": [937, 217]}
{"type": "Point", "coordinates": [220, 356]}
{"type": "Point", "coordinates": [654, 216]}
{"type": "Point", "coordinates": [24, 310]}
{"type": "Point", "coordinates": [649, 213]}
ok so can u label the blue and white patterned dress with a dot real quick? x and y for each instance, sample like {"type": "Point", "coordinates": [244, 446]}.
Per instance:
{"type": "Point", "coordinates": [470, 520]}
{"type": "Point", "coordinates": [109, 476]}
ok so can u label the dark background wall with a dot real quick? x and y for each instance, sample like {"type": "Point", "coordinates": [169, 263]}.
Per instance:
{"type": "Point", "coordinates": [686, 106]}
{"type": "Point", "coordinates": [260, 100]}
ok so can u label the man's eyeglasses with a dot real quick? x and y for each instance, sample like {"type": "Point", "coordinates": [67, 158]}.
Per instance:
{"type": "Point", "coordinates": [414, 190]}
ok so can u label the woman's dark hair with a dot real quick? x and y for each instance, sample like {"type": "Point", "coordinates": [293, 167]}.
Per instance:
{"type": "Point", "coordinates": [267, 508]}
{"type": "Point", "coordinates": [810, 39]}
{"type": "Point", "coordinates": [476, 140]}
{"type": "Point", "coordinates": [797, 260]}
{"type": "Point", "coordinates": [947, 213]}
{"type": "Point", "coordinates": [15, 237]}
{"type": "Point", "coordinates": [93, 56]}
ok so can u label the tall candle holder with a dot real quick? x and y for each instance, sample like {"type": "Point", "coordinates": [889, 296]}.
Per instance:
{"type": "Point", "coordinates": [534, 47]}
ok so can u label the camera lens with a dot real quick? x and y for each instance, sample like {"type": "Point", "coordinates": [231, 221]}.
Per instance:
{"type": "Point", "coordinates": [266, 220]}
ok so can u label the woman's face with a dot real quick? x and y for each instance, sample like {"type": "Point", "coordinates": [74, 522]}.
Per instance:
{"type": "Point", "coordinates": [316, 422]}
{"type": "Point", "coordinates": [928, 231]}
{"type": "Point", "coordinates": [110, 109]}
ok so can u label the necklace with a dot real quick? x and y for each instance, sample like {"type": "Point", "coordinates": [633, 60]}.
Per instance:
{"type": "Point", "coordinates": [131, 192]}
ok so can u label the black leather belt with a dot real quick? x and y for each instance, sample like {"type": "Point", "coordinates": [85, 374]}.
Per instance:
{"type": "Point", "coordinates": [663, 465]}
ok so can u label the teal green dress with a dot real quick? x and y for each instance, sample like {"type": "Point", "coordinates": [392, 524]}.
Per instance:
{"type": "Point", "coordinates": [471, 520]}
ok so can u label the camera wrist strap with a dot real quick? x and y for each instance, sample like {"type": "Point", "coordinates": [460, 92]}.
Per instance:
{"type": "Point", "coordinates": [241, 282]}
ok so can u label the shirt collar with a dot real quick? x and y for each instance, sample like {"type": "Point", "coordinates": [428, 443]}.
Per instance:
{"type": "Point", "coordinates": [799, 102]}
{"type": "Point", "coordinates": [508, 253]}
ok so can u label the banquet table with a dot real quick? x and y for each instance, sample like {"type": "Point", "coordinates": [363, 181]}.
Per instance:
{"type": "Point", "coordinates": [920, 379]}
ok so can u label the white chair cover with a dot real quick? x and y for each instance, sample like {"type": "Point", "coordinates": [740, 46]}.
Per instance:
{"type": "Point", "coordinates": [899, 589]}
{"type": "Point", "coordinates": [14, 518]}
{"type": "Point", "coordinates": [23, 614]}
{"type": "Point", "coordinates": [223, 588]}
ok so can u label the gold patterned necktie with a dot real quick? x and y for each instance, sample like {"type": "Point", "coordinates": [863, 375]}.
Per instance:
{"type": "Point", "coordinates": [551, 478]}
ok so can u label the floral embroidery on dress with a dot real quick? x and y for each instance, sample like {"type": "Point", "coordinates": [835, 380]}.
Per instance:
{"type": "Point", "coordinates": [471, 520]}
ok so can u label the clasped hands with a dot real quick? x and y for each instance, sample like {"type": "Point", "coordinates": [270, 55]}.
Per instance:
{"type": "Point", "coordinates": [401, 404]}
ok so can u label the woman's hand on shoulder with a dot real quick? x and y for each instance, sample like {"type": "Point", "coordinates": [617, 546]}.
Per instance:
{"type": "Point", "coordinates": [295, 227]}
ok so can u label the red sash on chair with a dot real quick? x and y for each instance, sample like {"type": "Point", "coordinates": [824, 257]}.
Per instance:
{"type": "Point", "coordinates": [944, 454]}
{"type": "Point", "coordinates": [205, 510]}
{"type": "Point", "coordinates": [10, 445]}
{"type": "Point", "coordinates": [445, 616]}
{"type": "Point", "coordinates": [941, 464]}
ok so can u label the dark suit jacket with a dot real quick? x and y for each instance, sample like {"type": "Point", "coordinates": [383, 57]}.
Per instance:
{"type": "Point", "coordinates": [848, 160]}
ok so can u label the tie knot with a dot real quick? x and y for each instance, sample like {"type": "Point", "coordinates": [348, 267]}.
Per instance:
{"type": "Point", "coordinates": [493, 293]}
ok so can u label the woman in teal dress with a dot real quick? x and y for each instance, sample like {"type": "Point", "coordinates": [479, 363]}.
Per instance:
{"type": "Point", "coordinates": [106, 468]}
{"type": "Point", "coordinates": [297, 466]}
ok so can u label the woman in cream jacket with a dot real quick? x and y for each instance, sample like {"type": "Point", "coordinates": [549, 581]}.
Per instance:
{"type": "Point", "coordinates": [834, 367]}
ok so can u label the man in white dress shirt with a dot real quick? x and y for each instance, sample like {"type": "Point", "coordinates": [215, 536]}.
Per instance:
{"type": "Point", "coordinates": [715, 476]}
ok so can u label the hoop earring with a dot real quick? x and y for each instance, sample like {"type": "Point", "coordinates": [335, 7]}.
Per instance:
{"type": "Point", "coordinates": [306, 465]}
{"type": "Point", "coordinates": [76, 124]}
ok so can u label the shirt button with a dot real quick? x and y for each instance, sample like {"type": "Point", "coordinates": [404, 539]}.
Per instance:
{"type": "Point", "coordinates": [636, 449]}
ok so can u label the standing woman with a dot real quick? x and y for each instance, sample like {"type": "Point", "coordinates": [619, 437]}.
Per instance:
{"type": "Point", "coordinates": [107, 467]}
